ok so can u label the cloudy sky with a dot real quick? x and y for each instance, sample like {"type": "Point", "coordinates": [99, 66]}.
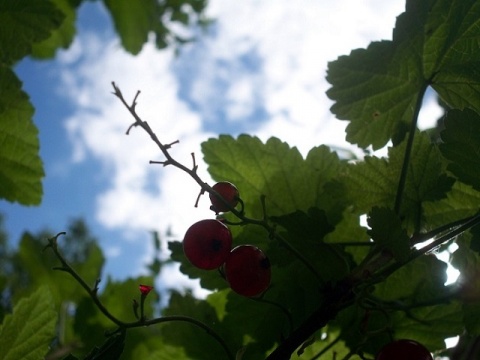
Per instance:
{"type": "Point", "coordinates": [260, 69]}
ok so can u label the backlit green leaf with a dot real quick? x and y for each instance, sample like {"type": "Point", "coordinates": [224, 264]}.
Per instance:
{"type": "Point", "coordinates": [22, 23]}
{"type": "Point", "coordinates": [374, 182]}
{"type": "Point", "coordinates": [27, 333]}
{"type": "Point", "coordinates": [376, 89]}
{"type": "Point", "coordinates": [61, 37]}
{"type": "Point", "coordinates": [134, 21]}
{"type": "Point", "coordinates": [21, 168]}
{"type": "Point", "coordinates": [273, 169]}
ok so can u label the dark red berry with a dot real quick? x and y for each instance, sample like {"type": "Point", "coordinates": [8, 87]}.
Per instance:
{"type": "Point", "coordinates": [228, 192]}
{"type": "Point", "coordinates": [207, 244]}
{"type": "Point", "coordinates": [247, 270]}
{"type": "Point", "coordinates": [404, 349]}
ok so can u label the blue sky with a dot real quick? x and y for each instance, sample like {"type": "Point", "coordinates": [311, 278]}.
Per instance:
{"type": "Point", "coordinates": [260, 70]}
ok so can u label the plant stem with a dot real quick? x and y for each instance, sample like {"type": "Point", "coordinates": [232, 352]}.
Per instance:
{"type": "Point", "coordinates": [408, 151]}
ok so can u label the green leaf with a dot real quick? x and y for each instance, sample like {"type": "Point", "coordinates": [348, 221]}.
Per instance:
{"type": "Point", "coordinates": [374, 181]}
{"type": "Point", "coordinates": [387, 231]}
{"type": "Point", "coordinates": [376, 89]}
{"type": "Point", "coordinates": [23, 23]}
{"type": "Point", "coordinates": [273, 169]}
{"type": "Point", "coordinates": [22, 170]}
{"type": "Point", "coordinates": [61, 37]}
{"type": "Point", "coordinates": [429, 325]}
{"type": "Point", "coordinates": [461, 145]}
{"type": "Point", "coordinates": [461, 201]}
{"type": "Point", "coordinates": [27, 333]}
{"type": "Point", "coordinates": [134, 21]}
{"type": "Point", "coordinates": [419, 280]}
{"type": "Point", "coordinates": [305, 232]}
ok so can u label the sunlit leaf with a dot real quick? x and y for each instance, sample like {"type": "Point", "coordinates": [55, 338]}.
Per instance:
{"type": "Point", "coordinates": [29, 330]}
{"type": "Point", "coordinates": [274, 169]}
{"type": "Point", "coordinates": [21, 169]}
{"type": "Point", "coordinates": [61, 37]}
{"type": "Point", "coordinates": [377, 89]}
{"type": "Point", "coordinates": [374, 182]}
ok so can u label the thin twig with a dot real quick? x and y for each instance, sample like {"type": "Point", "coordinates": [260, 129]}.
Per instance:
{"type": "Point", "coordinates": [207, 188]}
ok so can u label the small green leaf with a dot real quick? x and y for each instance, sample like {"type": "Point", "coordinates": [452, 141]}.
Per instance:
{"type": "Point", "coordinates": [21, 170]}
{"type": "Point", "coordinates": [387, 231]}
{"type": "Point", "coordinates": [27, 333]}
{"type": "Point", "coordinates": [133, 21]}
{"type": "Point", "coordinates": [23, 23]}
{"type": "Point", "coordinates": [461, 145]}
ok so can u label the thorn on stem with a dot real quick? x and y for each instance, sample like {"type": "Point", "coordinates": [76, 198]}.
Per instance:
{"type": "Point", "coordinates": [168, 146]}
{"type": "Point", "coordinates": [195, 166]}
{"type": "Point", "coordinates": [95, 286]}
{"type": "Point", "coordinates": [164, 163]}
{"type": "Point", "coordinates": [134, 102]}
{"type": "Point", "coordinates": [130, 128]}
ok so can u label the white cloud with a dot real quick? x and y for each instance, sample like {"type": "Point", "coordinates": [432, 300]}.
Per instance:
{"type": "Point", "coordinates": [290, 42]}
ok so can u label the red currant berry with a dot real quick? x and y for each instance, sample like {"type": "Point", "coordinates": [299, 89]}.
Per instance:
{"type": "Point", "coordinates": [228, 192]}
{"type": "Point", "coordinates": [207, 244]}
{"type": "Point", "coordinates": [247, 270]}
{"type": "Point", "coordinates": [403, 350]}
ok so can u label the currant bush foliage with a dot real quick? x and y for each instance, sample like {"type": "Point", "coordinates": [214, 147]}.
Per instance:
{"type": "Point", "coordinates": [345, 237]}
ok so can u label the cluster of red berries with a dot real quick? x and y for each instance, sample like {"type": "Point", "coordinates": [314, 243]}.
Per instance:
{"type": "Point", "coordinates": [208, 245]}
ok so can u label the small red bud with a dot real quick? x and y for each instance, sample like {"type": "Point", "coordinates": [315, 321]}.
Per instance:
{"type": "Point", "coordinates": [145, 289]}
